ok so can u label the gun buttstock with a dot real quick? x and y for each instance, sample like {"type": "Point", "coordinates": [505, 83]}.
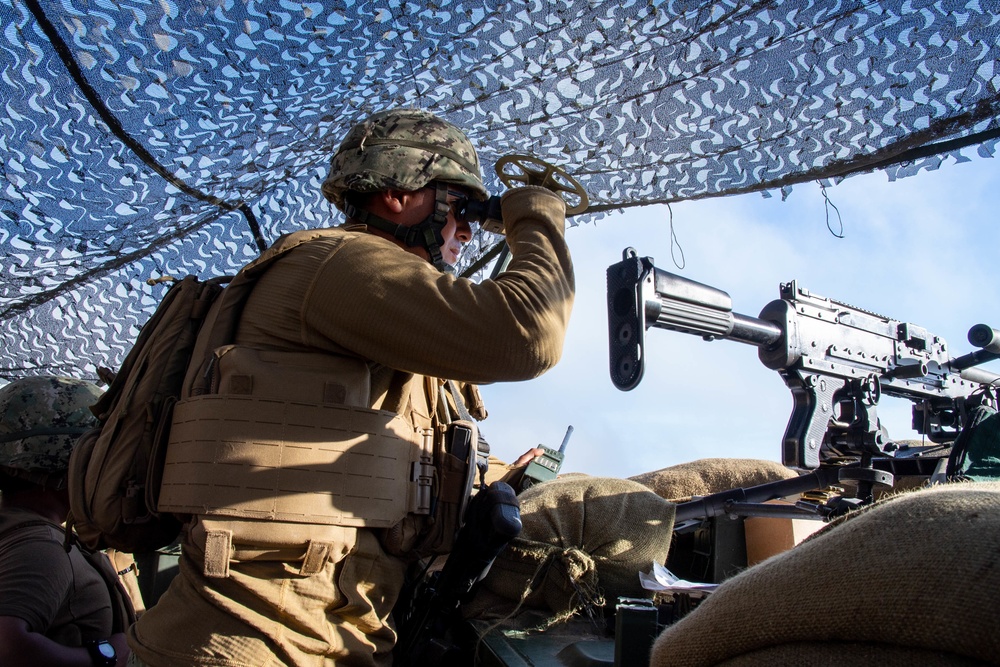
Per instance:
{"type": "Point", "coordinates": [626, 318]}
{"type": "Point", "coordinates": [641, 296]}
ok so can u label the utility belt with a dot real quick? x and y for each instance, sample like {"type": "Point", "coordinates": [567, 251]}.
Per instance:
{"type": "Point", "coordinates": [272, 476]}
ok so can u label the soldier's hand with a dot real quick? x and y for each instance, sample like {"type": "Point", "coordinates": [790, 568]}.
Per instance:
{"type": "Point", "coordinates": [527, 457]}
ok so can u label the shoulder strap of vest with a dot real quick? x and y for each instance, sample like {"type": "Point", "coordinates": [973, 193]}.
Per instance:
{"type": "Point", "coordinates": [236, 294]}
{"type": "Point", "coordinates": [234, 297]}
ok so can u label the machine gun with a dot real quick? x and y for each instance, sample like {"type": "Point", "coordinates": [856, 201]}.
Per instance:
{"type": "Point", "coordinates": [837, 360]}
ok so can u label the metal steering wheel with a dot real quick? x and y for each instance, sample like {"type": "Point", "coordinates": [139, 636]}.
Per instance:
{"type": "Point", "coordinates": [528, 170]}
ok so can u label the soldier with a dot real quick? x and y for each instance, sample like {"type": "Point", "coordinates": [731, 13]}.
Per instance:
{"type": "Point", "coordinates": [354, 330]}
{"type": "Point", "coordinates": [58, 604]}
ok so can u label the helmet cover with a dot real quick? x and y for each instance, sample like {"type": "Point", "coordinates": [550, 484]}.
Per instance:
{"type": "Point", "coordinates": [402, 149]}
{"type": "Point", "coordinates": [41, 419]}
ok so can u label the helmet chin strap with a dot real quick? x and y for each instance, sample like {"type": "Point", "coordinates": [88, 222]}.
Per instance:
{"type": "Point", "coordinates": [425, 234]}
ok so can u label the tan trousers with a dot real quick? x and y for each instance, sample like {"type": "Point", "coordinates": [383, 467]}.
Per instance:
{"type": "Point", "coordinates": [266, 613]}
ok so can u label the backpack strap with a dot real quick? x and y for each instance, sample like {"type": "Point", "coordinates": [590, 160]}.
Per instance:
{"type": "Point", "coordinates": [122, 611]}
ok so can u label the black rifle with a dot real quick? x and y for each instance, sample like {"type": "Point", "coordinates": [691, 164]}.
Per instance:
{"type": "Point", "coordinates": [836, 359]}
{"type": "Point", "coordinates": [429, 615]}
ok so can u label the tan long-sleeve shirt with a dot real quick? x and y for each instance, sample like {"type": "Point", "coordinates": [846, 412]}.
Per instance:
{"type": "Point", "coordinates": [356, 292]}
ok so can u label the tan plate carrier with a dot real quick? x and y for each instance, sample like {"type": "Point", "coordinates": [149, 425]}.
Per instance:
{"type": "Point", "coordinates": [279, 452]}
{"type": "Point", "coordinates": [254, 458]}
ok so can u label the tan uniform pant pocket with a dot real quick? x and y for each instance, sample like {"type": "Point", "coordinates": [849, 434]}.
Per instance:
{"type": "Point", "coordinates": [266, 612]}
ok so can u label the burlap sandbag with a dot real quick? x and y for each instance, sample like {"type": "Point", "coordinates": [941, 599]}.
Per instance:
{"type": "Point", "coordinates": [912, 580]}
{"type": "Point", "coordinates": [705, 476]}
{"type": "Point", "coordinates": [585, 539]}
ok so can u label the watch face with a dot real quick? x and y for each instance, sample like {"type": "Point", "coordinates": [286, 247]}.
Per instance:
{"type": "Point", "coordinates": [107, 650]}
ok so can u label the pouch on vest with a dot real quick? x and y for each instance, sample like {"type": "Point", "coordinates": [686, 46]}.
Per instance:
{"type": "Point", "coordinates": [281, 442]}
{"type": "Point", "coordinates": [454, 468]}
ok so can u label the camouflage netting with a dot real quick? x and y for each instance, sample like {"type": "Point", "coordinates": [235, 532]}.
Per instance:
{"type": "Point", "coordinates": [144, 138]}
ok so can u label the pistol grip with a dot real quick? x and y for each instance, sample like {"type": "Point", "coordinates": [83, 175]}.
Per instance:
{"type": "Point", "coordinates": [811, 414]}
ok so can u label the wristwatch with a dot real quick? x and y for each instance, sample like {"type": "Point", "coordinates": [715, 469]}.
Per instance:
{"type": "Point", "coordinates": [102, 653]}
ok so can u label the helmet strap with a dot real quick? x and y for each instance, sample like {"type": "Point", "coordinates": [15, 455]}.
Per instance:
{"type": "Point", "coordinates": [425, 234]}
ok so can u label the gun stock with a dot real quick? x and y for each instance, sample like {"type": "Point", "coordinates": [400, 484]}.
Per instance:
{"type": "Point", "coordinates": [641, 296]}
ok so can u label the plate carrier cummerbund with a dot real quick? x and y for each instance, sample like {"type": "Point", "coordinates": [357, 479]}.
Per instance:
{"type": "Point", "coordinates": [259, 458]}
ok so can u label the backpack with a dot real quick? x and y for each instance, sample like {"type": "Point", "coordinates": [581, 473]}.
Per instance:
{"type": "Point", "coordinates": [115, 469]}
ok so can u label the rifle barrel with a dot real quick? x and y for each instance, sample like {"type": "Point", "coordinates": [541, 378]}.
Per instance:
{"type": "Point", "coordinates": [715, 504]}
{"type": "Point", "coordinates": [755, 331]}
{"type": "Point", "coordinates": [986, 337]}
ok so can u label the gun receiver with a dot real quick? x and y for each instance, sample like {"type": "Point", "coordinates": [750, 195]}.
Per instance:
{"type": "Point", "coordinates": [836, 359]}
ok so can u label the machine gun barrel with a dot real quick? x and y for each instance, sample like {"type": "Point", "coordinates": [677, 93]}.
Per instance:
{"type": "Point", "coordinates": [984, 336]}
{"type": "Point", "coordinates": [836, 359]}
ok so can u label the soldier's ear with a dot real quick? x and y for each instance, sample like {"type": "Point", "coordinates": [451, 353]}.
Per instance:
{"type": "Point", "coordinates": [393, 200]}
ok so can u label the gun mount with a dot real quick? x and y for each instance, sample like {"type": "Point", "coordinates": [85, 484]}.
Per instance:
{"type": "Point", "coordinates": [837, 360]}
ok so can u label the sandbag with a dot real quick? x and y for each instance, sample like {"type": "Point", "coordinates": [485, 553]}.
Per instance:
{"type": "Point", "coordinates": [705, 476]}
{"type": "Point", "coordinates": [585, 540]}
{"type": "Point", "coordinates": [914, 579]}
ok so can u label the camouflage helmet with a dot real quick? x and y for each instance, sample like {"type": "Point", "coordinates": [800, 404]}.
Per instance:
{"type": "Point", "coordinates": [41, 419]}
{"type": "Point", "coordinates": [402, 149]}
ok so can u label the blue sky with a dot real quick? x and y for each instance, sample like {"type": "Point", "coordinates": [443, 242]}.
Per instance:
{"type": "Point", "coordinates": [922, 249]}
